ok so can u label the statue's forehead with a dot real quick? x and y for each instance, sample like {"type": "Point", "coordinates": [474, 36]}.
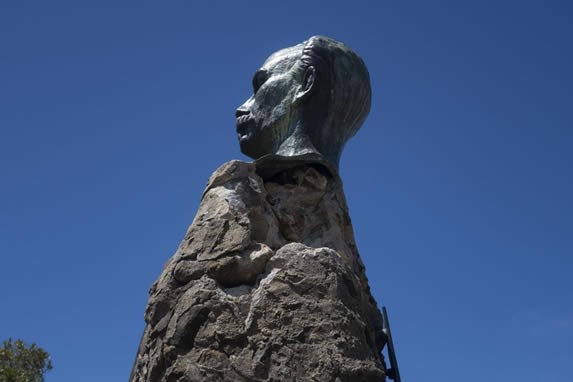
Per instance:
{"type": "Point", "coordinates": [283, 59]}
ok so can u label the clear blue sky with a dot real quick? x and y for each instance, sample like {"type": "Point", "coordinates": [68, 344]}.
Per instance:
{"type": "Point", "coordinates": [113, 114]}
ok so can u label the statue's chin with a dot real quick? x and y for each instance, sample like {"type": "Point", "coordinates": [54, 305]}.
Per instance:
{"type": "Point", "coordinates": [248, 148]}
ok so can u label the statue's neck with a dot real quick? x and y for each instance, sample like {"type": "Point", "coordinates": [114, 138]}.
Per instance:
{"type": "Point", "coordinates": [298, 143]}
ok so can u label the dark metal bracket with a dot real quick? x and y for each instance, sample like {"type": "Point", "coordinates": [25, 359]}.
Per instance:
{"type": "Point", "coordinates": [393, 372]}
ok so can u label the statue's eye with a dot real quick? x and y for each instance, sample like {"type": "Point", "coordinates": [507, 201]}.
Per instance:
{"type": "Point", "coordinates": [259, 79]}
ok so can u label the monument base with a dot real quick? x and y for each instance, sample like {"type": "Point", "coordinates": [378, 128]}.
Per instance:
{"type": "Point", "coordinates": [267, 285]}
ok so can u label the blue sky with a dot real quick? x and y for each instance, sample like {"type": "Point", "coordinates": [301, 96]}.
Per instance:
{"type": "Point", "coordinates": [114, 114]}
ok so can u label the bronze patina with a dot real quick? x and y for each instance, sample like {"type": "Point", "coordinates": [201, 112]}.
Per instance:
{"type": "Point", "coordinates": [308, 101]}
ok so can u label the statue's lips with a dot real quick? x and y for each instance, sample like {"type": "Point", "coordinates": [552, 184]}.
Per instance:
{"type": "Point", "coordinates": [243, 123]}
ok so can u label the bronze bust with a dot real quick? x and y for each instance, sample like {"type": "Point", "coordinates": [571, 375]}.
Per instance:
{"type": "Point", "coordinates": [308, 101]}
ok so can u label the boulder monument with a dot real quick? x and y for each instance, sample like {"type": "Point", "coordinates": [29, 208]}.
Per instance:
{"type": "Point", "coordinates": [267, 284]}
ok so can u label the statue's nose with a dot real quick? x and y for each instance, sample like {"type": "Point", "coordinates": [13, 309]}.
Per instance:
{"type": "Point", "coordinates": [242, 110]}
{"type": "Point", "coordinates": [245, 108]}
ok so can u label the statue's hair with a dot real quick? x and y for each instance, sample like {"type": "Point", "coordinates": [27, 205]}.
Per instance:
{"type": "Point", "coordinates": [342, 73]}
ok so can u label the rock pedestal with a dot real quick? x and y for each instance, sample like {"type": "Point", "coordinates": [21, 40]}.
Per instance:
{"type": "Point", "coordinates": [267, 285]}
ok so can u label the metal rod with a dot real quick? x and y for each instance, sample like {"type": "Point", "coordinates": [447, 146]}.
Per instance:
{"type": "Point", "coordinates": [393, 373]}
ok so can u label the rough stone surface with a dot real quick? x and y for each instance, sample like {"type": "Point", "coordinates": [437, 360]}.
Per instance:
{"type": "Point", "coordinates": [267, 285]}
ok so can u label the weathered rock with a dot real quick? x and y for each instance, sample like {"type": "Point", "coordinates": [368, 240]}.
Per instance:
{"type": "Point", "coordinates": [267, 285]}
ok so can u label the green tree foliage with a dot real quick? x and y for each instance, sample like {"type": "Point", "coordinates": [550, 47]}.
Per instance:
{"type": "Point", "coordinates": [22, 363]}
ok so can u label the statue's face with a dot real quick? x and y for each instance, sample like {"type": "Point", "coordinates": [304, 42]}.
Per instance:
{"type": "Point", "coordinates": [265, 119]}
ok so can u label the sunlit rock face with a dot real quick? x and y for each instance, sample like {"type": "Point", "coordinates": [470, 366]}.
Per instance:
{"type": "Point", "coordinates": [267, 285]}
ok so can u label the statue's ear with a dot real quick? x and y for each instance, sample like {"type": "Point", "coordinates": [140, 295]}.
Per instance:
{"type": "Point", "coordinates": [307, 86]}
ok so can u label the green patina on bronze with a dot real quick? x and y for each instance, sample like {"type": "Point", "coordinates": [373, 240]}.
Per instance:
{"type": "Point", "coordinates": [308, 101]}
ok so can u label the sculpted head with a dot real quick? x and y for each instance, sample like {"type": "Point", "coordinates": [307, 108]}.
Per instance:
{"type": "Point", "coordinates": [307, 101]}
